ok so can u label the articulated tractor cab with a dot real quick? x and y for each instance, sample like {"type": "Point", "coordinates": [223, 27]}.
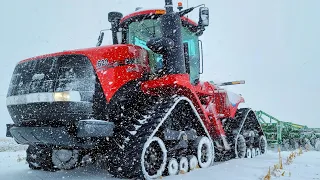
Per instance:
{"type": "Point", "coordinates": [137, 107]}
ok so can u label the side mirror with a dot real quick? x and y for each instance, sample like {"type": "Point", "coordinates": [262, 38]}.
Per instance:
{"type": "Point", "coordinates": [203, 16]}
{"type": "Point", "coordinates": [114, 16]}
{"type": "Point", "coordinates": [114, 19]}
{"type": "Point", "coordinates": [100, 39]}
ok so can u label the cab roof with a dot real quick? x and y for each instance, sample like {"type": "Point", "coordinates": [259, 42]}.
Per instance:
{"type": "Point", "coordinates": [154, 13]}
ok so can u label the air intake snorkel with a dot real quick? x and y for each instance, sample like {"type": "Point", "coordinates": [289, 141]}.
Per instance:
{"type": "Point", "coordinates": [170, 44]}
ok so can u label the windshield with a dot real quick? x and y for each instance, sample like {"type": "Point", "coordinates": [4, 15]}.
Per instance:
{"type": "Point", "coordinates": [139, 33]}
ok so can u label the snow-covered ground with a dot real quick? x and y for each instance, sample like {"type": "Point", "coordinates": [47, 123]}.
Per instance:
{"type": "Point", "coordinates": [304, 167]}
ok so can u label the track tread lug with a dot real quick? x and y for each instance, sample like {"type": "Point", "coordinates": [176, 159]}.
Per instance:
{"type": "Point", "coordinates": [130, 157]}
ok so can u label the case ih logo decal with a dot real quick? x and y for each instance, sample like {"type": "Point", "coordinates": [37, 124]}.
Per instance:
{"type": "Point", "coordinates": [101, 63]}
{"type": "Point", "coordinates": [104, 64]}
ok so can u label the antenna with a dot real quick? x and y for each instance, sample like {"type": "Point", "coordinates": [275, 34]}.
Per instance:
{"type": "Point", "coordinates": [187, 8]}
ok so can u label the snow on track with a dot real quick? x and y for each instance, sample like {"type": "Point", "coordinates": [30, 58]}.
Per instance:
{"type": "Point", "coordinates": [307, 166]}
{"type": "Point", "coordinates": [304, 167]}
{"type": "Point", "coordinates": [14, 167]}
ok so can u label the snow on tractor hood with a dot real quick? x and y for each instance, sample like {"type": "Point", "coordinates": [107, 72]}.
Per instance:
{"type": "Point", "coordinates": [234, 98]}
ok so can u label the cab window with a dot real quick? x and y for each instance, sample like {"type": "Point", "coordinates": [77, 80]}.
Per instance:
{"type": "Point", "coordinates": [191, 40]}
{"type": "Point", "coordinates": [139, 33]}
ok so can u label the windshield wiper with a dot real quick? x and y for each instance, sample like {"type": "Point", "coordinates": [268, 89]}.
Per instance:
{"type": "Point", "coordinates": [152, 34]}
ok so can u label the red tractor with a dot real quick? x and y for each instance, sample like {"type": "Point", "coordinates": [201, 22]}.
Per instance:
{"type": "Point", "coordinates": [137, 105]}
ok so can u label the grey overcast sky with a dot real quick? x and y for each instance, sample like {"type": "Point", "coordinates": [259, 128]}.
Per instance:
{"type": "Point", "coordinates": [272, 44]}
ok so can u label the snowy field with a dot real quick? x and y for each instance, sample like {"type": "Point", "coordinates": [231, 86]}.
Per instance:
{"type": "Point", "coordinates": [304, 167]}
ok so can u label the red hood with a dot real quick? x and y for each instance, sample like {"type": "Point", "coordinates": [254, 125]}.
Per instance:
{"type": "Point", "coordinates": [94, 53]}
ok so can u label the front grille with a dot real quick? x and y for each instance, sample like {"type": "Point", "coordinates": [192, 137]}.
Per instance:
{"type": "Point", "coordinates": [53, 74]}
{"type": "Point", "coordinates": [39, 77]}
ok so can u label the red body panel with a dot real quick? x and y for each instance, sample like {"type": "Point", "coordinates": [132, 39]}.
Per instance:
{"type": "Point", "coordinates": [211, 103]}
{"type": "Point", "coordinates": [178, 84]}
{"type": "Point", "coordinates": [112, 78]}
{"type": "Point", "coordinates": [223, 105]}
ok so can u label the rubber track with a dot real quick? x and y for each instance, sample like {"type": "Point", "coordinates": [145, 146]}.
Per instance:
{"type": "Point", "coordinates": [241, 116]}
{"type": "Point", "coordinates": [128, 161]}
{"type": "Point", "coordinates": [40, 155]}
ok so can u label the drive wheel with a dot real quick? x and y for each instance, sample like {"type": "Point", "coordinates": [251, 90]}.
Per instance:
{"type": "Point", "coordinates": [205, 152]}
{"type": "Point", "coordinates": [249, 153]}
{"type": "Point", "coordinates": [65, 159]}
{"type": "Point", "coordinates": [286, 144]}
{"type": "Point", "coordinates": [258, 152]}
{"type": "Point", "coordinates": [173, 167]}
{"type": "Point", "coordinates": [263, 144]}
{"type": "Point", "coordinates": [39, 157]}
{"type": "Point", "coordinates": [307, 144]}
{"type": "Point", "coordinates": [193, 162]}
{"type": "Point", "coordinates": [183, 165]}
{"type": "Point", "coordinates": [240, 147]}
{"type": "Point", "coordinates": [253, 152]}
{"type": "Point", "coordinates": [317, 145]}
{"type": "Point", "coordinates": [153, 158]}
{"type": "Point", "coordinates": [296, 145]}
{"type": "Point", "coordinates": [32, 158]}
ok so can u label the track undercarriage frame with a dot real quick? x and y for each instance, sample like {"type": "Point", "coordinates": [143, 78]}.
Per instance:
{"type": "Point", "coordinates": [170, 126]}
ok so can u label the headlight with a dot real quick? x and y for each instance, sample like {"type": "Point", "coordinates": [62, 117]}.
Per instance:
{"type": "Point", "coordinates": [67, 96]}
{"type": "Point", "coordinates": [70, 96]}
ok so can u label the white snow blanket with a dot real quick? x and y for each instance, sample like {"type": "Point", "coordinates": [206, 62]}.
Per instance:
{"type": "Point", "coordinates": [306, 166]}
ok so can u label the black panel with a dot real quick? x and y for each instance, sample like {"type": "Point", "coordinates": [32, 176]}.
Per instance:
{"type": "Point", "coordinates": [59, 73]}
{"type": "Point", "coordinates": [171, 29]}
{"type": "Point", "coordinates": [53, 74]}
{"type": "Point", "coordinates": [52, 136]}
{"type": "Point", "coordinates": [57, 113]}
{"type": "Point", "coordinates": [186, 56]}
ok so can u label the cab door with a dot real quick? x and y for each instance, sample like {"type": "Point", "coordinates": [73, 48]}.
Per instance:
{"type": "Point", "coordinates": [192, 55]}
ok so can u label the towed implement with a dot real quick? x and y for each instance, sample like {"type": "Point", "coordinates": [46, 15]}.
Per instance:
{"type": "Point", "coordinates": [288, 135]}
{"type": "Point", "coordinates": [138, 105]}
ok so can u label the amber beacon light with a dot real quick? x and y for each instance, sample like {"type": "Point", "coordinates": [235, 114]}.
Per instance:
{"type": "Point", "coordinates": [180, 6]}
